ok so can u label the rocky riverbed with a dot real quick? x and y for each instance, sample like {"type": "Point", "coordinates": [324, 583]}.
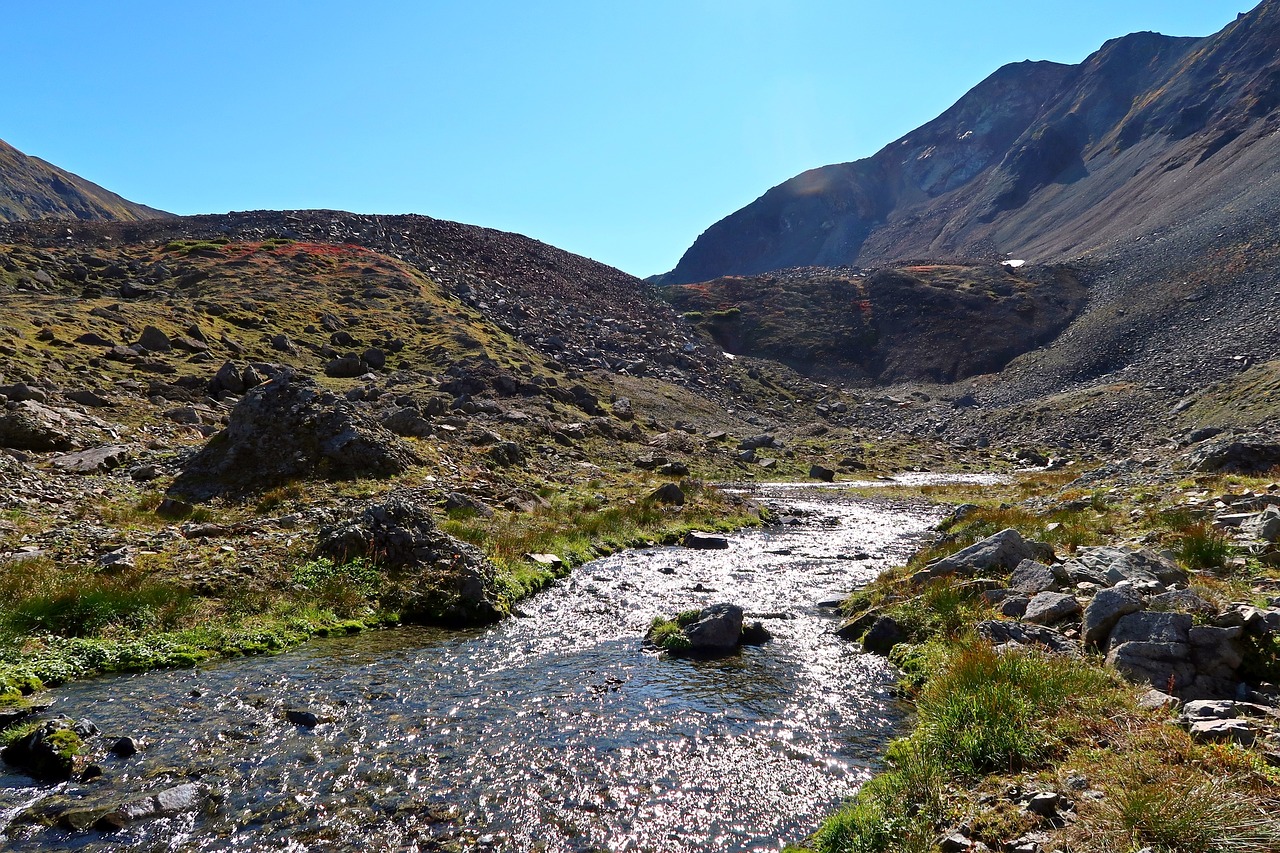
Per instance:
{"type": "Point", "coordinates": [556, 730]}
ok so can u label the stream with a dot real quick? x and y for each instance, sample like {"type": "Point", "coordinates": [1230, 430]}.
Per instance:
{"type": "Point", "coordinates": [553, 731]}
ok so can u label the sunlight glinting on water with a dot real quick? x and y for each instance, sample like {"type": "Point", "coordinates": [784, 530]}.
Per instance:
{"type": "Point", "coordinates": [556, 731]}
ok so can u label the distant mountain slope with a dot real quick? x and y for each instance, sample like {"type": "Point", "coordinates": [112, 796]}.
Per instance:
{"type": "Point", "coordinates": [30, 188]}
{"type": "Point", "coordinates": [1041, 160]}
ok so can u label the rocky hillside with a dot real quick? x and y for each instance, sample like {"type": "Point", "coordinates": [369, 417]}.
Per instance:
{"type": "Point", "coordinates": [30, 188]}
{"type": "Point", "coordinates": [910, 322]}
{"type": "Point", "coordinates": [1041, 161]}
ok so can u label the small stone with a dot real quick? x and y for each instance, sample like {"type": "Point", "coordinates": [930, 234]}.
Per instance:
{"type": "Point", "coordinates": [125, 747]}
{"type": "Point", "coordinates": [302, 718]}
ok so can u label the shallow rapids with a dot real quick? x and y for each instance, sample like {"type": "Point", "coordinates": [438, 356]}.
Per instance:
{"type": "Point", "coordinates": [553, 731]}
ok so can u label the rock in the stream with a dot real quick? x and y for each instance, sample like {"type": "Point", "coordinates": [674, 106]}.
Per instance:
{"type": "Point", "coordinates": [125, 747]}
{"type": "Point", "coordinates": [48, 752]}
{"type": "Point", "coordinates": [288, 429]}
{"type": "Point", "coordinates": [704, 541]}
{"type": "Point", "coordinates": [303, 718]}
{"type": "Point", "coordinates": [719, 628]}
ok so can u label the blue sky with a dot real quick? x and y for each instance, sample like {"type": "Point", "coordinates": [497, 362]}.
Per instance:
{"type": "Point", "coordinates": [618, 130]}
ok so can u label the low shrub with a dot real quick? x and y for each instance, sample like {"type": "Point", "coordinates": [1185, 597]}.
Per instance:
{"type": "Point", "coordinates": [1202, 547]}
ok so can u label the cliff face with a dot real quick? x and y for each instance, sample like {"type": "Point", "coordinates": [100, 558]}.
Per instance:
{"type": "Point", "coordinates": [30, 188]}
{"type": "Point", "coordinates": [1040, 160]}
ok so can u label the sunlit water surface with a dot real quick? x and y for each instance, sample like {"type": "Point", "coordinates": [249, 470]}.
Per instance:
{"type": "Point", "coordinates": [554, 731]}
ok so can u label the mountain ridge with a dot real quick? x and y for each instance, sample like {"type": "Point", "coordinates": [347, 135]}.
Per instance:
{"type": "Point", "coordinates": [1034, 155]}
{"type": "Point", "coordinates": [31, 188]}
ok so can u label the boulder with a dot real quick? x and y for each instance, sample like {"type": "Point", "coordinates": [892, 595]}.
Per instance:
{"type": "Point", "coordinates": [1165, 666]}
{"type": "Point", "coordinates": [1266, 527]}
{"type": "Point", "coordinates": [28, 425]}
{"type": "Point", "coordinates": [622, 409]}
{"type": "Point", "coordinates": [87, 397]}
{"type": "Point", "coordinates": [755, 634]}
{"type": "Point", "coordinates": [438, 578]}
{"type": "Point", "coordinates": [1217, 652]}
{"type": "Point", "coordinates": [757, 442]}
{"type": "Point", "coordinates": [1154, 649]}
{"type": "Point", "coordinates": [1146, 626]}
{"type": "Point", "coordinates": [227, 379]}
{"type": "Point", "coordinates": [1000, 632]}
{"type": "Point", "coordinates": [154, 340]}
{"type": "Point", "coordinates": [1107, 566]}
{"type": "Point", "coordinates": [507, 453]}
{"type": "Point", "coordinates": [1003, 550]}
{"type": "Point", "coordinates": [1224, 731]}
{"type": "Point", "coordinates": [1032, 577]}
{"type": "Point", "coordinates": [48, 752]}
{"type": "Point", "coordinates": [1249, 454]}
{"type": "Point", "coordinates": [98, 459]}
{"type": "Point", "coordinates": [1181, 601]}
{"type": "Point", "coordinates": [704, 541]}
{"type": "Point", "coordinates": [289, 429]}
{"type": "Point", "coordinates": [1050, 608]}
{"type": "Point", "coordinates": [408, 422]}
{"type": "Point", "coordinates": [718, 628]}
{"type": "Point", "coordinates": [1104, 610]}
{"type": "Point", "coordinates": [882, 636]}
{"type": "Point", "coordinates": [821, 472]}
{"type": "Point", "coordinates": [346, 367]}
{"type": "Point", "coordinates": [669, 493]}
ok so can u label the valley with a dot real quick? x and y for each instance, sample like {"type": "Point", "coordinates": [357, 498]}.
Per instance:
{"type": "Point", "coordinates": [318, 526]}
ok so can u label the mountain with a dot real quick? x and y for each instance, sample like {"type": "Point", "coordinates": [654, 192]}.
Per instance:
{"type": "Point", "coordinates": [1040, 161]}
{"type": "Point", "coordinates": [30, 188]}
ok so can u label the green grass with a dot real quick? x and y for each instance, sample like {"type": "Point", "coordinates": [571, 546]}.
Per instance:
{"type": "Point", "coordinates": [40, 597]}
{"type": "Point", "coordinates": [1200, 546]}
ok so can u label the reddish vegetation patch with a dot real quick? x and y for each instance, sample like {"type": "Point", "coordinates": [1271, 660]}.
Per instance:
{"type": "Point", "coordinates": [329, 250]}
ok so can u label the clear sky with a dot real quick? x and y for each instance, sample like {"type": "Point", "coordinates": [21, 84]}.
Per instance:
{"type": "Point", "coordinates": [615, 129]}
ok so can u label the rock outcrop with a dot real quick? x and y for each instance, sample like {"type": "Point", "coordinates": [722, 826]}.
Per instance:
{"type": "Point", "coordinates": [290, 429]}
{"type": "Point", "coordinates": [437, 578]}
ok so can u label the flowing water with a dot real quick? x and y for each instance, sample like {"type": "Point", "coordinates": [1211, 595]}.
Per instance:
{"type": "Point", "coordinates": [554, 731]}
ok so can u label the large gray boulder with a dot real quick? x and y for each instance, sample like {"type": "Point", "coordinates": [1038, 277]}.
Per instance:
{"type": "Point", "coordinates": [1246, 455]}
{"type": "Point", "coordinates": [1108, 566]}
{"type": "Point", "coordinates": [999, 551]}
{"type": "Point", "coordinates": [1104, 610]}
{"type": "Point", "coordinates": [28, 425]}
{"type": "Point", "coordinates": [290, 429]}
{"type": "Point", "coordinates": [1050, 608]}
{"type": "Point", "coordinates": [1266, 526]}
{"type": "Point", "coordinates": [436, 577]}
{"type": "Point", "coordinates": [1155, 649]}
{"type": "Point", "coordinates": [1031, 577]}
